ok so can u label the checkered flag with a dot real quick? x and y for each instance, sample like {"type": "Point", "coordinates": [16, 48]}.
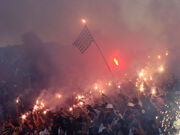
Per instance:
{"type": "Point", "coordinates": [84, 40]}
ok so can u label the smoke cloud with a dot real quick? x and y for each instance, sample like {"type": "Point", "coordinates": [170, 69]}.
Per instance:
{"type": "Point", "coordinates": [133, 27]}
{"type": "Point", "coordinates": [129, 30]}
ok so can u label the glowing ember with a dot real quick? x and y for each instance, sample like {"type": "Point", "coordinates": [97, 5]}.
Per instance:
{"type": "Point", "coordinates": [141, 88]}
{"type": "Point", "coordinates": [45, 112]}
{"type": "Point", "coordinates": [37, 101]}
{"type": "Point", "coordinates": [109, 84]}
{"type": "Point", "coordinates": [58, 96]}
{"type": "Point", "coordinates": [167, 53]}
{"type": "Point", "coordinates": [79, 97]}
{"type": "Point", "coordinates": [161, 68]}
{"type": "Point", "coordinates": [116, 62]}
{"type": "Point", "coordinates": [153, 91]}
{"type": "Point", "coordinates": [70, 109]}
{"type": "Point", "coordinates": [81, 103]}
{"type": "Point", "coordinates": [101, 92]}
{"type": "Point", "coordinates": [42, 105]}
{"type": "Point", "coordinates": [145, 79]}
{"type": "Point", "coordinates": [95, 87]}
{"type": "Point", "coordinates": [83, 21]}
{"type": "Point", "coordinates": [159, 56]}
{"type": "Point", "coordinates": [35, 107]}
{"type": "Point", "coordinates": [17, 100]}
{"type": "Point", "coordinates": [141, 74]}
{"type": "Point", "coordinates": [119, 86]}
{"type": "Point", "coordinates": [24, 116]}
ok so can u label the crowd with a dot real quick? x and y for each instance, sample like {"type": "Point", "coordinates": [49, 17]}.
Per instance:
{"type": "Point", "coordinates": [109, 115]}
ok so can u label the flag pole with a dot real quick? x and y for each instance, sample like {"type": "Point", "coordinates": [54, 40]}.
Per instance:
{"type": "Point", "coordinates": [99, 49]}
{"type": "Point", "coordinates": [105, 61]}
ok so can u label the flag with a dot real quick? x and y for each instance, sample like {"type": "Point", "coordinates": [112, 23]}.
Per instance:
{"type": "Point", "coordinates": [84, 40]}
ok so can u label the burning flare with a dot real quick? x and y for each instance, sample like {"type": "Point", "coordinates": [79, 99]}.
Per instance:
{"type": "Point", "coordinates": [153, 92]}
{"type": "Point", "coordinates": [141, 74]}
{"type": "Point", "coordinates": [161, 68]}
{"type": "Point", "coordinates": [116, 62]}
{"type": "Point", "coordinates": [83, 21]}
{"type": "Point", "coordinates": [23, 116]}
{"type": "Point", "coordinates": [141, 87]}
{"type": "Point", "coordinates": [159, 56]}
{"type": "Point", "coordinates": [58, 95]}
{"type": "Point", "coordinates": [70, 109]}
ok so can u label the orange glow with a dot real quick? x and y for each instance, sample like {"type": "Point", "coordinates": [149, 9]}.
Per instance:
{"type": "Point", "coordinates": [116, 62]}
{"type": "Point", "coordinates": [83, 21]}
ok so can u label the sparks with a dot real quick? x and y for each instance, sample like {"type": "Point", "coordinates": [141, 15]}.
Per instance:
{"type": "Point", "coordinates": [116, 62]}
